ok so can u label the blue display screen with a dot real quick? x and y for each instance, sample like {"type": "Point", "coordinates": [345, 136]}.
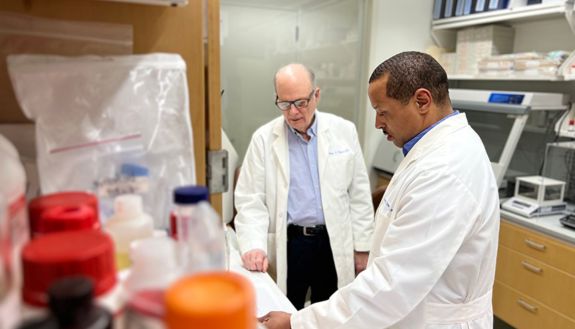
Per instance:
{"type": "Point", "coordinates": [506, 98]}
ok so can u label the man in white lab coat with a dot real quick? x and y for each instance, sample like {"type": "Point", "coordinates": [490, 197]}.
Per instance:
{"type": "Point", "coordinates": [432, 261]}
{"type": "Point", "coordinates": [303, 195]}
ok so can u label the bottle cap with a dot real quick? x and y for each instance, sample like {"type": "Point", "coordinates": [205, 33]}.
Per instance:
{"type": "Point", "coordinates": [69, 298]}
{"type": "Point", "coordinates": [54, 256]}
{"type": "Point", "coordinates": [191, 194]}
{"type": "Point", "coordinates": [135, 170]}
{"type": "Point", "coordinates": [73, 198]}
{"type": "Point", "coordinates": [68, 218]}
{"type": "Point", "coordinates": [128, 206]}
{"type": "Point", "coordinates": [215, 300]}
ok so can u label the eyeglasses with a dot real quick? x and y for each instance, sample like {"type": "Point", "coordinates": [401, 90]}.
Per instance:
{"type": "Point", "coordinates": [298, 103]}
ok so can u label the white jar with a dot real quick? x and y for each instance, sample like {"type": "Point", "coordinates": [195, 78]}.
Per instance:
{"type": "Point", "coordinates": [129, 223]}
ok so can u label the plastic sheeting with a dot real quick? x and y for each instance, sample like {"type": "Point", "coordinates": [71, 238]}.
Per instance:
{"type": "Point", "coordinates": [109, 125]}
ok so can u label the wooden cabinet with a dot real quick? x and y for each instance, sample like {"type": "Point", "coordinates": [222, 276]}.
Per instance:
{"type": "Point", "coordinates": [191, 31]}
{"type": "Point", "coordinates": [535, 280]}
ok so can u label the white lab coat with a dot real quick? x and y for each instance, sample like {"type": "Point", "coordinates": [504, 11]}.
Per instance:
{"type": "Point", "coordinates": [432, 261]}
{"type": "Point", "coordinates": [261, 194]}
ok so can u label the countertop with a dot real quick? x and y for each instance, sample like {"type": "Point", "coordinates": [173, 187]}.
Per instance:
{"type": "Point", "coordinates": [549, 225]}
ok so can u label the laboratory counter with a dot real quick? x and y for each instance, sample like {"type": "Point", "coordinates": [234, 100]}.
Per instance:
{"type": "Point", "coordinates": [535, 272]}
{"type": "Point", "coordinates": [549, 225]}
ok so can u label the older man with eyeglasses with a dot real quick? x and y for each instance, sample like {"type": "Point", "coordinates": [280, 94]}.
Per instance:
{"type": "Point", "coordinates": [303, 196]}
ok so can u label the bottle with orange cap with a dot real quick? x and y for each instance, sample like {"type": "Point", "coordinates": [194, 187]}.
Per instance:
{"type": "Point", "coordinates": [215, 300]}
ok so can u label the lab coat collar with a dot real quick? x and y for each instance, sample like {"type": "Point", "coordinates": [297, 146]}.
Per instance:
{"type": "Point", "coordinates": [428, 143]}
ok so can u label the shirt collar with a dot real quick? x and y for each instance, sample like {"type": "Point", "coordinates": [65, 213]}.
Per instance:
{"type": "Point", "coordinates": [411, 143]}
{"type": "Point", "coordinates": [311, 131]}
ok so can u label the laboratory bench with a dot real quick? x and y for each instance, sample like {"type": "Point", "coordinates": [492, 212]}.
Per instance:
{"type": "Point", "coordinates": [535, 276]}
{"type": "Point", "coordinates": [269, 297]}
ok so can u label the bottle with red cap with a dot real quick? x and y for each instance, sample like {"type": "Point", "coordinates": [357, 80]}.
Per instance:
{"type": "Point", "coordinates": [63, 211]}
{"type": "Point", "coordinates": [51, 257]}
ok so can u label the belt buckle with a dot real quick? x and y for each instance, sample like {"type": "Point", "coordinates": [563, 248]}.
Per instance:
{"type": "Point", "coordinates": [305, 232]}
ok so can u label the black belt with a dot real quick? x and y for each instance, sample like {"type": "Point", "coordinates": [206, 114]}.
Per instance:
{"type": "Point", "coordinates": [296, 230]}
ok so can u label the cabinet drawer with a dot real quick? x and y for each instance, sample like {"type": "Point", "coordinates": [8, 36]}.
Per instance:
{"type": "Point", "coordinates": [548, 285]}
{"type": "Point", "coordinates": [523, 312]}
{"type": "Point", "coordinates": [537, 245]}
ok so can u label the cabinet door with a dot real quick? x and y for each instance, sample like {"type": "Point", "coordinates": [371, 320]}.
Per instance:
{"type": "Point", "coordinates": [547, 285]}
{"type": "Point", "coordinates": [538, 246]}
{"type": "Point", "coordinates": [523, 312]}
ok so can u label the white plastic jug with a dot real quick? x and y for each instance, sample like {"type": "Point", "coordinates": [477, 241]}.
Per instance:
{"type": "Point", "coordinates": [129, 223]}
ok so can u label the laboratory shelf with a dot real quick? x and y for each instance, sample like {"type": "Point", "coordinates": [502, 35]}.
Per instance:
{"type": "Point", "coordinates": [508, 78]}
{"type": "Point", "coordinates": [519, 14]}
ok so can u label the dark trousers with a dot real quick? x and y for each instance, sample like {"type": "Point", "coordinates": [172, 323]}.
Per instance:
{"type": "Point", "coordinates": [309, 266]}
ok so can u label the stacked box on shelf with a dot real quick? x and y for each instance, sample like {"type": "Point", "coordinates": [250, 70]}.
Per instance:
{"type": "Point", "coordinates": [473, 44]}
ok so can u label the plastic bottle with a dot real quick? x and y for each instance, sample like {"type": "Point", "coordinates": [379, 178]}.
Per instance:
{"type": "Point", "coordinates": [199, 231]}
{"type": "Point", "coordinates": [154, 265]}
{"type": "Point", "coordinates": [14, 231]}
{"type": "Point", "coordinates": [58, 255]}
{"type": "Point", "coordinates": [72, 307]}
{"type": "Point", "coordinates": [68, 218]}
{"type": "Point", "coordinates": [72, 205]}
{"type": "Point", "coordinates": [215, 300]}
{"type": "Point", "coordinates": [129, 223]}
{"type": "Point", "coordinates": [185, 198]}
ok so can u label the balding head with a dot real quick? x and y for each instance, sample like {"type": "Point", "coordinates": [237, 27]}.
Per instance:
{"type": "Point", "coordinates": [296, 73]}
{"type": "Point", "coordinates": [296, 82]}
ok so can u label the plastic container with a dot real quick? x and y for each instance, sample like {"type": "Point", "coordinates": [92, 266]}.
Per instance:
{"type": "Point", "coordinates": [58, 255]}
{"type": "Point", "coordinates": [199, 231]}
{"type": "Point", "coordinates": [68, 218]}
{"type": "Point", "coordinates": [14, 232]}
{"type": "Point", "coordinates": [154, 266]}
{"type": "Point", "coordinates": [68, 200]}
{"type": "Point", "coordinates": [71, 304]}
{"type": "Point", "coordinates": [185, 198]}
{"type": "Point", "coordinates": [216, 300]}
{"type": "Point", "coordinates": [13, 191]}
{"type": "Point", "coordinates": [145, 310]}
{"type": "Point", "coordinates": [129, 223]}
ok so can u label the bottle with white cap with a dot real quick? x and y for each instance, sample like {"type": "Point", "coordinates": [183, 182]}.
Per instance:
{"type": "Point", "coordinates": [129, 223]}
{"type": "Point", "coordinates": [154, 269]}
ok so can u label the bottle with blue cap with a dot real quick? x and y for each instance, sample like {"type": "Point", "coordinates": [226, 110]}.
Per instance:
{"type": "Point", "coordinates": [198, 229]}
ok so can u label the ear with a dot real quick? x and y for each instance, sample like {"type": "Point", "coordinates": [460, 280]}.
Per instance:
{"type": "Point", "coordinates": [423, 99]}
{"type": "Point", "coordinates": [317, 94]}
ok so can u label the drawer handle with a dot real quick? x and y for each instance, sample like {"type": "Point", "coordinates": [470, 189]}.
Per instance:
{"type": "Point", "coordinates": [527, 306]}
{"type": "Point", "coordinates": [535, 245]}
{"type": "Point", "coordinates": [531, 268]}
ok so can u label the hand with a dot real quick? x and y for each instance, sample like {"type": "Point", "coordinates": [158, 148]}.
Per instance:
{"type": "Point", "coordinates": [255, 260]}
{"type": "Point", "coordinates": [360, 260]}
{"type": "Point", "coordinates": [276, 320]}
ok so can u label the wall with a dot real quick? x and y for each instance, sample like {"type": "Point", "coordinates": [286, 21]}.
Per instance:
{"type": "Point", "coordinates": [396, 26]}
{"type": "Point", "coordinates": [257, 39]}
{"type": "Point", "coordinates": [255, 43]}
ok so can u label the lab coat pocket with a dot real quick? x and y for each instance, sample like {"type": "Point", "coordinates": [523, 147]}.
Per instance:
{"type": "Point", "coordinates": [340, 168]}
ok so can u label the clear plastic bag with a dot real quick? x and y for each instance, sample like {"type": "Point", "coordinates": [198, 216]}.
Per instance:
{"type": "Point", "coordinates": [22, 34]}
{"type": "Point", "coordinates": [95, 114]}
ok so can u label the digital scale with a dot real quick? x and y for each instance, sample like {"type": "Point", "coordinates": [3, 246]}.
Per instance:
{"type": "Point", "coordinates": [537, 196]}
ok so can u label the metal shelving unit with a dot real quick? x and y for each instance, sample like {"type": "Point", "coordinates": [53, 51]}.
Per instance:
{"type": "Point", "coordinates": [443, 31]}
